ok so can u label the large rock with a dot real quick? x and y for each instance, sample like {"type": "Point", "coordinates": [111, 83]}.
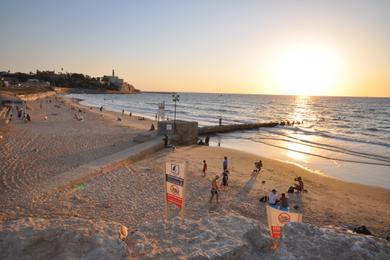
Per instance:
{"type": "Point", "coordinates": [61, 239]}
{"type": "Point", "coordinates": [216, 237]}
{"type": "Point", "coordinates": [305, 241]}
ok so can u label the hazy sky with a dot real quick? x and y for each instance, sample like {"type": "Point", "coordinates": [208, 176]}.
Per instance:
{"type": "Point", "coordinates": [267, 47]}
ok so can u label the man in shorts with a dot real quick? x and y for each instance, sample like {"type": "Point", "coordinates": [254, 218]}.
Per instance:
{"type": "Point", "coordinates": [214, 189]}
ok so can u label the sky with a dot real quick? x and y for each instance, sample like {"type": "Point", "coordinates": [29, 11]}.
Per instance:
{"type": "Point", "coordinates": [339, 48]}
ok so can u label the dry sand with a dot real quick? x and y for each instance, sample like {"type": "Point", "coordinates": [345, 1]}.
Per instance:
{"type": "Point", "coordinates": [37, 150]}
{"type": "Point", "coordinates": [133, 194]}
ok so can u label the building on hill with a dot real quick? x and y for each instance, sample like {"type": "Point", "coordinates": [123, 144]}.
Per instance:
{"type": "Point", "coordinates": [35, 83]}
{"type": "Point", "coordinates": [113, 80]}
{"type": "Point", "coordinates": [117, 83]}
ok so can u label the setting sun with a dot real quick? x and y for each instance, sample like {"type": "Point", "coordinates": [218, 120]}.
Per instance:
{"type": "Point", "coordinates": [307, 70]}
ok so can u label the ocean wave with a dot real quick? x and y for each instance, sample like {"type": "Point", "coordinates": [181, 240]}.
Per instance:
{"type": "Point", "coordinates": [328, 147]}
{"type": "Point", "coordinates": [323, 156]}
{"type": "Point", "coordinates": [328, 134]}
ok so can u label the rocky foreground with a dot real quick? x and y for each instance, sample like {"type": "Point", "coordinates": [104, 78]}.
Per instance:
{"type": "Point", "coordinates": [230, 236]}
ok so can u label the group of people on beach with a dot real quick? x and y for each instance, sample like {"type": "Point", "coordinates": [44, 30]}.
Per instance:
{"type": "Point", "coordinates": [272, 199]}
{"type": "Point", "coordinates": [22, 114]}
{"type": "Point", "coordinates": [215, 187]}
{"type": "Point", "coordinates": [282, 202]}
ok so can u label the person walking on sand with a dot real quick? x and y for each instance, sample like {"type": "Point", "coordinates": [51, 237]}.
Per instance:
{"type": "Point", "coordinates": [225, 179]}
{"type": "Point", "coordinates": [101, 108]}
{"type": "Point", "coordinates": [214, 189]}
{"type": "Point", "coordinates": [204, 168]}
{"type": "Point", "coordinates": [123, 112]}
{"type": "Point", "coordinates": [225, 164]}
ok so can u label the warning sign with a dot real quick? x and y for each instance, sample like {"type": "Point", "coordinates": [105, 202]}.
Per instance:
{"type": "Point", "coordinates": [278, 218]}
{"type": "Point", "coordinates": [174, 181]}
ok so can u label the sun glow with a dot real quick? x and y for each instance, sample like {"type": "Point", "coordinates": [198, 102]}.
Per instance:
{"type": "Point", "coordinates": [307, 70]}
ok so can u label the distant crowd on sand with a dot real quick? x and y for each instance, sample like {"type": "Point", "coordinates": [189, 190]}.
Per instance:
{"type": "Point", "coordinates": [272, 199]}
{"type": "Point", "coordinates": [21, 114]}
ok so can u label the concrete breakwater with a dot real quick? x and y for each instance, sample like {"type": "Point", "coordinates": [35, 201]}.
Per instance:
{"type": "Point", "coordinates": [209, 130]}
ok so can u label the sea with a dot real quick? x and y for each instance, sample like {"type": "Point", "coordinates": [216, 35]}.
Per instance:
{"type": "Point", "coordinates": [347, 138]}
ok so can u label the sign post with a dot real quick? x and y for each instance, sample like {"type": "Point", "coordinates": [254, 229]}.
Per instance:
{"type": "Point", "coordinates": [174, 186]}
{"type": "Point", "coordinates": [161, 111]}
{"type": "Point", "coordinates": [278, 218]}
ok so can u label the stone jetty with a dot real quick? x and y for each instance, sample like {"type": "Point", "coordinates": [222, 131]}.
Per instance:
{"type": "Point", "coordinates": [209, 130]}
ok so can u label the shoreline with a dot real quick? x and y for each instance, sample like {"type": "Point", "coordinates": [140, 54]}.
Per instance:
{"type": "Point", "coordinates": [313, 171]}
{"type": "Point", "coordinates": [238, 143]}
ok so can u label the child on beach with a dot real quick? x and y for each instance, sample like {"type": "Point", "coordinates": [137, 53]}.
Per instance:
{"type": "Point", "coordinates": [225, 179]}
{"type": "Point", "coordinates": [258, 166]}
{"type": "Point", "coordinates": [298, 187]}
{"type": "Point", "coordinates": [214, 189]}
{"type": "Point", "coordinates": [204, 168]}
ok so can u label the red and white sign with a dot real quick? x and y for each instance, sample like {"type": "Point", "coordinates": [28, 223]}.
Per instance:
{"type": "Point", "coordinates": [278, 218]}
{"type": "Point", "coordinates": [174, 181]}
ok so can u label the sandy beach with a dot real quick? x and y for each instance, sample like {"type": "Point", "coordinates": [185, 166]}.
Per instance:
{"type": "Point", "coordinates": [54, 142]}
{"type": "Point", "coordinates": [132, 193]}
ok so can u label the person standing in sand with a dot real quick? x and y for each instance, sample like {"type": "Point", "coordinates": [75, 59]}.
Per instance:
{"type": "Point", "coordinates": [214, 189]}
{"type": "Point", "coordinates": [225, 179]}
{"type": "Point", "coordinates": [225, 164]}
{"type": "Point", "coordinates": [204, 168]}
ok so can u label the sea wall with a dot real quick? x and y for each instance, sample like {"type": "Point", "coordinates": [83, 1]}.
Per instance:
{"type": "Point", "coordinates": [183, 132]}
{"type": "Point", "coordinates": [93, 169]}
{"type": "Point", "coordinates": [209, 130]}
{"type": "Point", "coordinates": [35, 96]}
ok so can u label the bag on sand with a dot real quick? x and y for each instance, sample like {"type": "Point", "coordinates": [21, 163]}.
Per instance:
{"type": "Point", "coordinates": [362, 230]}
{"type": "Point", "coordinates": [263, 199]}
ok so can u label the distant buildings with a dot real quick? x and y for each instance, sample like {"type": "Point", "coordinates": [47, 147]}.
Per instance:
{"type": "Point", "coordinates": [118, 84]}
{"type": "Point", "coordinates": [30, 83]}
{"type": "Point", "coordinates": [43, 79]}
{"type": "Point", "coordinates": [113, 80]}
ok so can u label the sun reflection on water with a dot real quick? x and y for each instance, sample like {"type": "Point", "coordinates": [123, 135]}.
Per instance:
{"type": "Point", "coordinates": [297, 150]}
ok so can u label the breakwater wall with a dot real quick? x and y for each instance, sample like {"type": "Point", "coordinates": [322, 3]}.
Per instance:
{"type": "Point", "coordinates": [209, 130]}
